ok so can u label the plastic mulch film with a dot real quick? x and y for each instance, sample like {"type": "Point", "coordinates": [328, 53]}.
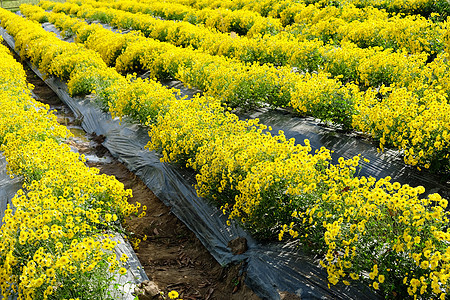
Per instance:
{"type": "Point", "coordinates": [270, 268]}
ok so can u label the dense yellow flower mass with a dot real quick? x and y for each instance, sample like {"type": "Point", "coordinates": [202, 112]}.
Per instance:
{"type": "Point", "coordinates": [52, 242]}
{"type": "Point", "coordinates": [391, 118]}
{"type": "Point", "coordinates": [365, 26]}
{"type": "Point", "coordinates": [286, 9]}
{"type": "Point", "coordinates": [243, 22]}
{"type": "Point", "coordinates": [281, 49]}
{"type": "Point", "coordinates": [266, 183]}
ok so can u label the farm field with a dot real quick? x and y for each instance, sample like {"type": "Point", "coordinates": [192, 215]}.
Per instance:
{"type": "Point", "coordinates": [372, 70]}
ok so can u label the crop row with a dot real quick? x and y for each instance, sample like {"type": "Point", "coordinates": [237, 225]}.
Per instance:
{"type": "Point", "coordinates": [237, 84]}
{"type": "Point", "coordinates": [53, 242]}
{"type": "Point", "coordinates": [426, 8]}
{"type": "Point", "coordinates": [415, 120]}
{"type": "Point", "coordinates": [243, 22]}
{"type": "Point", "coordinates": [272, 186]}
{"type": "Point", "coordinates": [414, 33]}
{"type": "Point", "coordinates": [279, 9]}
{"type": "Point", "coordinates": [371, 67]}
{"type": "Point", "coordinates": [278, 50]}
{"type": "Point", "coordinates": [365, 27]}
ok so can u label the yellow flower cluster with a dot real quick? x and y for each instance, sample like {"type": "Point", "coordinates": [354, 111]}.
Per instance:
{"type": "Point", "coordinates": [52, 243]}
{"type": "Point", "coordinates": [366, 26]}
{"type": "Point", "coordinates": [86, 72]}
{"type": "Point", "coordinates": [371, 67]}
{"type": "Point", "coordinates": [242, 22]}
{"type": "Point", "coordinates": [235, 158]}
{"type": "Point", "coordinates": [366, 23]}
{"type": "Point", "coordinates": [268, 183]}
{"type": "Point", "coordinates": [436, 9]}
{"type": "Point", "coordinates": [281, 49]}
{"type": "Point", "coordinates": [418, 126]}
{"type": "Point", "coordinates": [385, 230]}
{"type": "Point", "coordinates": [262, 7]}
{"type": "Point", "coordinates": [236, 83]}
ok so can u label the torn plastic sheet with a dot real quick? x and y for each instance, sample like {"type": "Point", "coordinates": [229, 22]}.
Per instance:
{"type": "Point", "coordinates": [270, 268]}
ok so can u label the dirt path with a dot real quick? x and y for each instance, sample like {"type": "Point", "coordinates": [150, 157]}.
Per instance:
{"type": "Point", "coordinates": [171, 254]}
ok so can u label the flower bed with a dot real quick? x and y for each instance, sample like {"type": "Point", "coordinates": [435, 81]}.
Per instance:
{"type": "Point", "coordinates": [364, 8]}
{"type": "Point", "coordinates": [364, 27]}
{"type": "Point", "coordinates": [54, 243]}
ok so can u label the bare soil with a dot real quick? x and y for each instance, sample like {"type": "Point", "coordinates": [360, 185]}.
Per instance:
{"type": "Point", "coordinates": [171, 255]}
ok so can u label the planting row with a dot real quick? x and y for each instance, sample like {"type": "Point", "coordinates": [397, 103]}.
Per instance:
{"type": "Point", "coordinates": [276, 188]}
{"type": "Point", "coordinates": [364, 27]}
{"type": "Point", "coordinates": [237, 84]}
{"type": "Point", "coordinates": [437, 9]}
{"type": "Point", "coordinates": [415, 120]}
{"type": "Point", "coordinates": [54, 242]}
{"type": "Point", "coordinates": [279, 50]}
{"type": "Point", "coordinates": [243, 22]}
{"type": "Point", "coordinates": [370, 67]}
{"type": "Point", "coordinates": [280, 9]}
